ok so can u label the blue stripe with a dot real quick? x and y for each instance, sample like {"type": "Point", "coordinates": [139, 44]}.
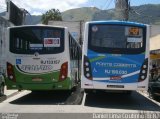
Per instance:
{"type": "Point", "coordinates": [130, 79]}
{"type": "Point", "coordinates": [118, 23]}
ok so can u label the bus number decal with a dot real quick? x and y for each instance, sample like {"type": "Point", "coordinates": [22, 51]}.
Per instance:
{"type": "Point", "coordinates": [116, 72]}
{"type": "Point", "coordinates": [50, 61]}
{"type": "Point", "coordinates": [51, 42]}
{"type": "Point", "coordinates": [134, 31]}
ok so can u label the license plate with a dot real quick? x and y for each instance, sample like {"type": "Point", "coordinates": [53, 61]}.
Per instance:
{"type": "Point", "coordinates": [115, 78]}
{"type": "Point", "coordinates": [37, 79]}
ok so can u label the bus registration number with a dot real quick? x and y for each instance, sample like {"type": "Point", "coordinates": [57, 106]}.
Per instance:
{"type": "Point", "coordinates": [36, 79]}
{"type": "Point", "coordinates": [115, 78]}
{"type": "Point", "coordinates": [116, 72]}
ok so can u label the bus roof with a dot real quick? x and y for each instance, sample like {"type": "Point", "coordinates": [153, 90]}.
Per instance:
{"type": "Point", "coordinates": [41, 25]}
{"type": "Point", "coordinates": [117, 22]}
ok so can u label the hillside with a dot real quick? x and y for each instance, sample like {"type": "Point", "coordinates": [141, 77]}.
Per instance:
{"type": "Point", "coordinates": [85, 13]}
{"type": "Point", "coordinates": [148, 13]}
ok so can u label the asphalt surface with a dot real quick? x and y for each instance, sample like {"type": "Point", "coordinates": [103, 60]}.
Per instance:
{"type": "Point", "coordinates": [135, 101]}
{"type": "Point", "coordinates": [73, 97]}
{"type": "Point", "coordinates": [75, 105]}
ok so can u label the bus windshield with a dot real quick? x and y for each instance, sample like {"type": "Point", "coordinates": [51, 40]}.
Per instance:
{"type": "Point", "coordinates": [44, 40]}
{"type": "Point", "coordinates": [119, 38]}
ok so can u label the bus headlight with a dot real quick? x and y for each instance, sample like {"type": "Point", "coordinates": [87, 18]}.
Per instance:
{"type": "Point", "coordinates": [87, 68]}
{"type": "Point", "coordinates": [87, 63]}
{"type": "Point", "coordinates": [144, 70]}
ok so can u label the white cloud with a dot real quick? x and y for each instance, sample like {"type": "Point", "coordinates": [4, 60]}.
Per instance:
{"type": "Point", "coordinates": [36, 13]}
{"type": "Point", "coordinates": [2, 5]}
{"type": "Point", "coordinates": [44, 5]}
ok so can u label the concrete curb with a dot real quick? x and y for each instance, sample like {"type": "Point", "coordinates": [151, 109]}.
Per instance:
{"type": "Point", "coordinates": [145, 94]}
{"type": "Point", "coordinates": [8, 94]}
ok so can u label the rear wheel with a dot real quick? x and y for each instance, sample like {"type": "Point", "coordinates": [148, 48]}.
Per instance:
{"type": "Point", "coordinates": [2, 90]}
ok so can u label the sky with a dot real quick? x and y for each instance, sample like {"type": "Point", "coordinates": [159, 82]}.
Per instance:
{"type": "Point", "coordinates": [37, 7]}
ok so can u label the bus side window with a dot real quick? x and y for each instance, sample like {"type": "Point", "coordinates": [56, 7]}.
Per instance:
{"type": "Point", "coordinates": [71, 47]}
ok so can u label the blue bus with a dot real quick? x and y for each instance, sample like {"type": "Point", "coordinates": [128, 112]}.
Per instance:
{"type": "Point", "coordinates": [115, 56]}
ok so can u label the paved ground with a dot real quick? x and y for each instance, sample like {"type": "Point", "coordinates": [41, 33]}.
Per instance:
{"type": "Point", "coordinates": [8, 94]}
{"type": "Point", "coordinates": [57, 102]}
{"type": "Point", "coordinates": [76, 104]}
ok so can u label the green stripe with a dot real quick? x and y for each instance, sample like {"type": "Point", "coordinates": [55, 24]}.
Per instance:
{"type": "Point", "coordinates": [97, 58]}
{"type": "Point", "coordinates": [50, 81]}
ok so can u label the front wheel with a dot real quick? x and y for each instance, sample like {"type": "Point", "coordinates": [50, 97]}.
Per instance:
{"type": "Point", "coordinates": [2, 90]}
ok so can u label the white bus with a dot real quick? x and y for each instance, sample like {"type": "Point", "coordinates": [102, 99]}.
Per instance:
{"type": "Point", "coordinates": [40, 57]}
{"type": "Point", "coordinates": [115, 56]}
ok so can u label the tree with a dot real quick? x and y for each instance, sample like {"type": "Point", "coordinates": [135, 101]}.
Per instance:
{"type": "Point", "coordinates": [53, 14]}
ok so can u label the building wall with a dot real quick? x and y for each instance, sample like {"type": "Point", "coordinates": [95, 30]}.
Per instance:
{"type": "Point", "coordinates": [3, 26]}
{"type": "Point", "coordinates": [155, 30]}
{"type": "Point", "coordinates": [76, 28]}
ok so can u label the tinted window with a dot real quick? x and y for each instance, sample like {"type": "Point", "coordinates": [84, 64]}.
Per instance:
{"type": "Point", "coordinates": [44, 40]}
{"type": "Point", "coordinates": [107, 38]}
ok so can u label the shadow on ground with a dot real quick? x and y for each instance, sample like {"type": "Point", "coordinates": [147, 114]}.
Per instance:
{"type": "Point", "coordinates": [2, 98]}
{"type": "Point", "coordinates": [135, 101]}
{"type": "Point", "coordinates": [51, 97]}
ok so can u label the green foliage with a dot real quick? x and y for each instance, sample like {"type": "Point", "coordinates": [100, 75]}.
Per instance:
{"type": "Point", "coordinates": [53, 14]}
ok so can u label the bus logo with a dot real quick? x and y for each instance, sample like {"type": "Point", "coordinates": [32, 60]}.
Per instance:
{"type": "Point", "coordinates": [94, 28]}
{"type": "Point", "coordinates": [36, 54]}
